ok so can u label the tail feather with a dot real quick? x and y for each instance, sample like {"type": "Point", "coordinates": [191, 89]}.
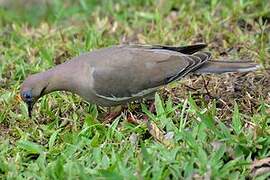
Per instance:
{"type": "Point", "coordinates": [227, 66]}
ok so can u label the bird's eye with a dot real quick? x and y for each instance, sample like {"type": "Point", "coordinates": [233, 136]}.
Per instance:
{"type": "Point", "coordinates": [27, 95]}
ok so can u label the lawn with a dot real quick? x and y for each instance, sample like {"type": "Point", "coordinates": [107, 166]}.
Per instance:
{"type": "Point", "coordinates": [203, 127]}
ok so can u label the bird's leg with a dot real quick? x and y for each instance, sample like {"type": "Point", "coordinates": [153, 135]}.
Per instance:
{"type": "Point", "coordinates": [151, 99]}
{"type": "Point", "coordinates": [133, 118]}
{"type": "Point", "coordinates": [112, 113]}
{"type": "Point", "coordinates": [152, 107]}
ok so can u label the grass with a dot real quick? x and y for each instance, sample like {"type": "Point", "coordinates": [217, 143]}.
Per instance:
{"type": "Point", "coordinates": [192, 134]}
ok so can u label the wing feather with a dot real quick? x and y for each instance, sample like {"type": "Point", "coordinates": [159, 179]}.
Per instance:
{"type": "Point", "coordinates": [141, 71]}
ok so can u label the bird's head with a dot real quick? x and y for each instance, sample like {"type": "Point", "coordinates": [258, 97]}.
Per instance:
{"type": "Point", "coordinates": [31, 90]}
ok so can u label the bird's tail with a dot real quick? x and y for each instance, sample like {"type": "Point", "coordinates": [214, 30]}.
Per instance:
{"type": "Point", "coordinates": [227, 66]}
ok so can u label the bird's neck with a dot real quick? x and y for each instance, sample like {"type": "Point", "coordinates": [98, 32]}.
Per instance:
{"type": "Point", "coordinates": [61, 78]}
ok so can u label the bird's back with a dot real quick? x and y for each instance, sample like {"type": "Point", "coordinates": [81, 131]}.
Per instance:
{"type": "Point", "coordinates": [124, 73]}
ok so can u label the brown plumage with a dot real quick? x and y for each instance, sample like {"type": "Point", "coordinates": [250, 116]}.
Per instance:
{"type": "Point", "coordinates": [120, 74]}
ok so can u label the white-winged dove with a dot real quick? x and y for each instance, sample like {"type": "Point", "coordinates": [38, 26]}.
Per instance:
{"type": "Point", "coordinates": [120, 74]}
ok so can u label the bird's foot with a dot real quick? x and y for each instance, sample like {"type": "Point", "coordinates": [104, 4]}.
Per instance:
{"type": "Point", "coordinates": [112, 114]}
{"type": "Point", "coordinates": [152, 108]}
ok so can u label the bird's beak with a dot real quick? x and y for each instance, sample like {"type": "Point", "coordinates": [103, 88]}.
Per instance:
{"type": "Point", "coordinates": [30, 108]}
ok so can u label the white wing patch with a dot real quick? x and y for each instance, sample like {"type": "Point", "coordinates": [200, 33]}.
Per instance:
{"type": "Point", "coordinates": [137, 95]}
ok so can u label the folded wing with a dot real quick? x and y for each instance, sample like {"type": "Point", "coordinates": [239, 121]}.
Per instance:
{"type": "Point", "coordinates": [142, 70]}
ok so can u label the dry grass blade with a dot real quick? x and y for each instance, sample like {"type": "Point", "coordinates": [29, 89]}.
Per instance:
{"type": "Point", "coordinates": [260, 167]}
{"type": "Point", "coordinates": [158, 134]}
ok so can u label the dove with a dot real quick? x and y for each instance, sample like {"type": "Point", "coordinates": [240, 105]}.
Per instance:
{"type": "Point", "coordinates": [121, 74]}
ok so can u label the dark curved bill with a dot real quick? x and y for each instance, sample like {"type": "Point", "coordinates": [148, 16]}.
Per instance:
{"type": "Point", "coordinates": [30, 107]}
